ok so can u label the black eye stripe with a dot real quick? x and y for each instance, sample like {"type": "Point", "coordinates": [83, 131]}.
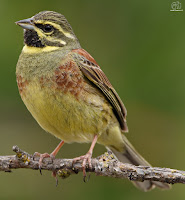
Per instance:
{"type": "Point", "coordinates": [45, 27]}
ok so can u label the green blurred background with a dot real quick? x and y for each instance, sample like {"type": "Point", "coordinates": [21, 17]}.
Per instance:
{"type": "Point", "coordinates": [140, 45]}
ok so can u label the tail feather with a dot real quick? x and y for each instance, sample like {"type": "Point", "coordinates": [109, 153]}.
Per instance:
{"type": "Point", "coordinates": [130, 155]}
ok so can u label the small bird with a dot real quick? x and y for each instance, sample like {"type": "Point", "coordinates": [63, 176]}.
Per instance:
{"type": "Point", "coordinates": [69, 95]}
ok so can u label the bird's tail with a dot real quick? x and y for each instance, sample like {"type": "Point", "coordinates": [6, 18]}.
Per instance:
{"type": "Point", "coordinates": [130, 155]}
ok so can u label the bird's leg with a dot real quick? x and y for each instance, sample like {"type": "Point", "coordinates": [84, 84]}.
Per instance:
{"type": "Point", "coordinates": [46, 155]}
{"type": "Point", "coordinates": [87, 157]}
{"type": "Point", "coordinates": [56, 150]}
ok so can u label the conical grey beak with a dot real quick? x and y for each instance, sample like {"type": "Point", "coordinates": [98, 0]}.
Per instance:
{"type": "Point", "coordinates": [26, 23]}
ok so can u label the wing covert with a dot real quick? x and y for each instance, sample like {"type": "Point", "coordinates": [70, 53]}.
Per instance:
{"type": "Point", "coordinates": [92, 71]}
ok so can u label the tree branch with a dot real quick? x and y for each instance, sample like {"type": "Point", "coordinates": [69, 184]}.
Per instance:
{"type": "Point", "coordinates": [104, 165]}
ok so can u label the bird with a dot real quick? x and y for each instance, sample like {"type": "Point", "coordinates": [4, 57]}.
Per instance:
{"type": "Point", "coordinates": [69, 95]}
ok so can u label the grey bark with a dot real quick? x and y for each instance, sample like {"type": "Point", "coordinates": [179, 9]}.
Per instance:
{"type": "Point", "coordinates": [104, 165]}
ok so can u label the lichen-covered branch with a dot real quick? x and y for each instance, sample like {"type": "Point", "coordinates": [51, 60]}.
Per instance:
{"type": "Point", "coordinates": [104, 165]}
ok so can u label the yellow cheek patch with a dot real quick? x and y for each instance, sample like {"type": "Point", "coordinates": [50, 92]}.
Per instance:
{"type": "Point", "coordinates": [56, 40]}
{"type": "Point", "coordinates": [32, 50]}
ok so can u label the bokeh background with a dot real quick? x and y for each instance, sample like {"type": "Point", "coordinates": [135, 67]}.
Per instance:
{"type": "Point", "coordinates": [140, 45]}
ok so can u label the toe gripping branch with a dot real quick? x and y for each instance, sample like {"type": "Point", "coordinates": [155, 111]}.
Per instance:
{"type": "Point", "coordinates": [104, 165]}
{"type": "Point", "coordinates": [48, 161]}
{"type": "Point", "coordinates": [61, 167]}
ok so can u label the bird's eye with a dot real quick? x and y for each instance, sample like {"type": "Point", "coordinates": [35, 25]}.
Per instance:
{"type": "Point", "coordinates": [47, 28]}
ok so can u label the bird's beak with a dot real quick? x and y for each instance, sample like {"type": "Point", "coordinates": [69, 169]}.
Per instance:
{"type": "Point", "coordinates": [26, 23]}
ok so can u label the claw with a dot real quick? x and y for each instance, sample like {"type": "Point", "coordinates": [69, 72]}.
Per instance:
{"type": "Point", "coordinates": [86, 158]}
{"type": "Point", "coordinates": [42, 156]}
{"type": "Point", "coordinates": [56, 181]}
{"type": "Point", "coordinates": [88, 178]}
{"type": "Point", "coordinates": [54, 174]}
{"type": "Point", "coordinates": [40, 170]}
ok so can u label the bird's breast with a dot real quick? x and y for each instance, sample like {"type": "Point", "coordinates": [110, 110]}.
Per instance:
{"type": "Point", "coordinates": [65, 104]}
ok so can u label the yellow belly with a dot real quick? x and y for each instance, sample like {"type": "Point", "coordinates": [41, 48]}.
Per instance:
{"type": "Point", "coordinates": [65, 116]}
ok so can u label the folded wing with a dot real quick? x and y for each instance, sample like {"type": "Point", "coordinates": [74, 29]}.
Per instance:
{"type": "Point", "coordinates": [92, 71]}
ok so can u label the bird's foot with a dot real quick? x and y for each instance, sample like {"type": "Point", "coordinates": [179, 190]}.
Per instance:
{"type": "Point", "coordinates": [42, 156]}
{"type": "Point", "coordinates": [52, 156]}
{"type": "Point", "coordinates": [85, 159]}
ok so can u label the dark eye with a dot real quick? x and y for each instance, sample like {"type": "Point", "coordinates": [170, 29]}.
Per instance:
{"type": "Point", "coordinates": [47, 28]}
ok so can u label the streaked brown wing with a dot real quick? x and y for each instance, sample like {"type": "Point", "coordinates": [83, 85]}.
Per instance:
{"type": "Point", "coordinates": [93, 72]}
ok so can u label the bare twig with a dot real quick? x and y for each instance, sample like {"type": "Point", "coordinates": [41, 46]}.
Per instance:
{"type": "Point", "coordinates": [104, 165]}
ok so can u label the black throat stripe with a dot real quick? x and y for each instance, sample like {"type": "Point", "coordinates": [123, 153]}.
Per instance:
{"type": "Point", "coordinates": [31, 38]}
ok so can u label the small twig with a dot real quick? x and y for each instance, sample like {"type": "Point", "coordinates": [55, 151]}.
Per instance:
{"type": "Point", "coordinates": [104, 165]}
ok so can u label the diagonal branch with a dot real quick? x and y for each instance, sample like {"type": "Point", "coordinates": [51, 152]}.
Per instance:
{"type": "Point", "coordinates": [104, 165]}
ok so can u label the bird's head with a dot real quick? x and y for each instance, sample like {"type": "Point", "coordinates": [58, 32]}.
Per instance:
{"type": "Point", "coordinates": [48, 29]}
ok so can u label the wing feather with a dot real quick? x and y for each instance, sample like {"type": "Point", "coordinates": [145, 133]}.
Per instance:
{"type": "Point", "coordinates": [93, 72]}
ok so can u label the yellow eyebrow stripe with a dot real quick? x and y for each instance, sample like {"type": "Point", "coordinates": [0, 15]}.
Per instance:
{"type": "Point", "coordinates": [67, 34]}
